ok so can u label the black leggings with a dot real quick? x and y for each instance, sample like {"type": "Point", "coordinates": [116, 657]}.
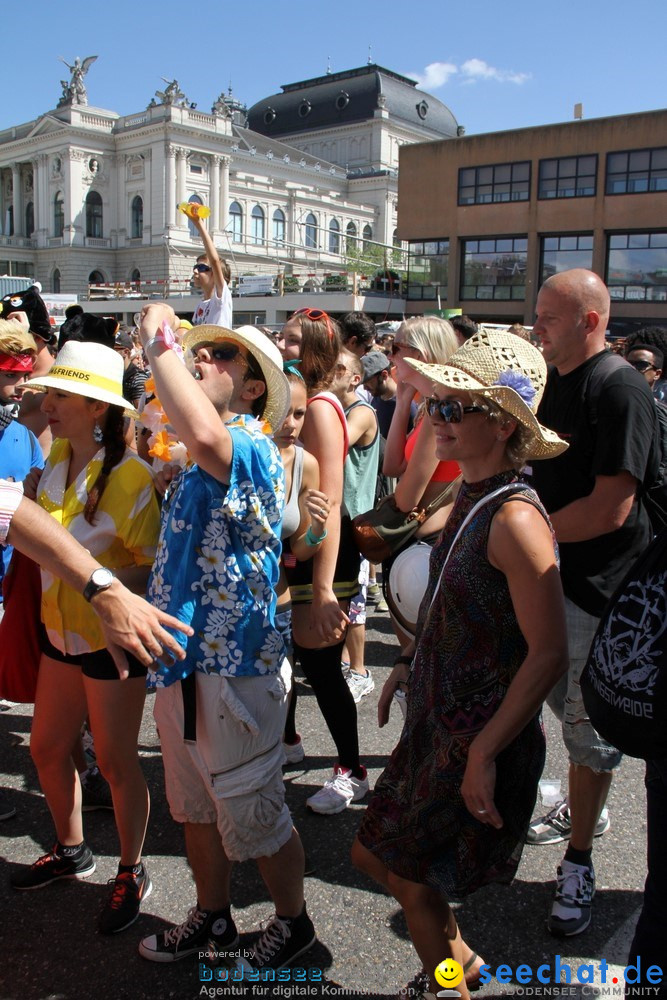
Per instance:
{"type": "Point", "coordinates": [323, 673]}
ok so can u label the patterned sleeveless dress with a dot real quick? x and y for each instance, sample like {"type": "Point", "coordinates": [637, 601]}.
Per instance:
{"type": "Point", "coordinates": [469, 649]}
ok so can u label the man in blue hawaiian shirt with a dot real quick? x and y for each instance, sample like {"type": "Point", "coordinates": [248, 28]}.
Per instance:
{"type": "Point", "coordinates": [221, 711]}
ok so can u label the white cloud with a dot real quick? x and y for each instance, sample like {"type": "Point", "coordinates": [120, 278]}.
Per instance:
{"type": "Point", "coordinates": [477, 69]}
{"type": "Point", "coordinates": [435, 75]}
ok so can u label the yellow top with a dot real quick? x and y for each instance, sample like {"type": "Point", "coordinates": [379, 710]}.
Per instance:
{"type": "Point", "coordinates": [125, 533]}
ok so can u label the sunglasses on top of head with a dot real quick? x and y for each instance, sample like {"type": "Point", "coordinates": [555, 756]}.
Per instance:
{"type": "Point", "coordinates": [316, 315]}
{"type": "Point", "coordinates": [450, 410]}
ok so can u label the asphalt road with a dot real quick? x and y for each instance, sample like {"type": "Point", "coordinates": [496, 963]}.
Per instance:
{"type": "Point", "coordinates": [50, 949]}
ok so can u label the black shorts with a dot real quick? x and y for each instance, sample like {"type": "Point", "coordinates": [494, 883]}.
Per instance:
{"type": "Point", "coordinates": [99, 666]}
{"type": "Point", "coordinates": [346, 576]}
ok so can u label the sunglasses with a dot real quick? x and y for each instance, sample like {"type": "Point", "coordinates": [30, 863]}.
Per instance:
{"type": "Point", "coordinates": [201, 268]}
{"type": "Point", "coordinates": [400, 346]}
{"type": "Point", "coordinates": [643, 366]}
{"type": "Point", "coordinates": [451, 411]}
{"type": "Point", "coordinates": [316, 315]}
{"type": "Point", "coordinates": [227, 351]}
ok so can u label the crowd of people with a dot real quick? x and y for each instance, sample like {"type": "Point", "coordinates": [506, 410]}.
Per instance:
{"type": "Point", "coordinates": [246, 553]}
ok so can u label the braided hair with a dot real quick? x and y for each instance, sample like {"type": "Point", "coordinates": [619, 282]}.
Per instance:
{"type": "Point", "coordinates": [113, 439]}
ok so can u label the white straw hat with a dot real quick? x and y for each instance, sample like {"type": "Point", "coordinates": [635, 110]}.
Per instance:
{"type": "Point", "coordinates": [504, 368]}
{"type": "Point", "coordinates": [264, 352]}
{"type": "Point", "coordinates": [90, 370]}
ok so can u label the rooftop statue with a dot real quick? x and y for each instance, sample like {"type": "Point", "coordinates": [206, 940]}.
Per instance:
{"type": "Point", "coordinates": [75, 92]}
{"type": "Point", "coordinates": [172, 93]}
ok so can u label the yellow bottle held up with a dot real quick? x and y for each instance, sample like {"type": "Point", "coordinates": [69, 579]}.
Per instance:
{"type": "Point", "coordinates": [194, 210]}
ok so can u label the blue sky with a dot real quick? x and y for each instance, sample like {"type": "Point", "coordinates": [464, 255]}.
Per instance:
{"type": "Point", "coordinates": [497, 66]}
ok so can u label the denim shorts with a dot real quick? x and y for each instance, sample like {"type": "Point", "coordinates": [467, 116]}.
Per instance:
{"type": "Point", "coordinates": [583, 744]}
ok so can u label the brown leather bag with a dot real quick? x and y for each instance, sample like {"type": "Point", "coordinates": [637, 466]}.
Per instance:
{"type": "Point", "coordinates": [384, 530]}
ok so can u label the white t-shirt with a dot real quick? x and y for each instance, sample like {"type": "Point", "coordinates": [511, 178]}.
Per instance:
{"type": "Point", "coordinates": [216, 311]}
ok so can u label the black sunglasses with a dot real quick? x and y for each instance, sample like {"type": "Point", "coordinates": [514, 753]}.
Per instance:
{"type": "Point", "coordinates": [643, 366]}
{"type": "Point", "coordinates": [232, 352]}
{"type": "Point", "coordinates": [451, 411]}
{"type": "Point", "coordinates": [201, 268]}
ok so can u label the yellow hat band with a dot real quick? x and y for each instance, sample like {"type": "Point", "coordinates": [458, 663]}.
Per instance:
{"type": "Point", "coordinates": [84, 378]}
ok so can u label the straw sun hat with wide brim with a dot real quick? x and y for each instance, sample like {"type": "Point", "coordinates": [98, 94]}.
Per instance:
{"type": "Point", "coordinates": [87, 369]}
{"type": "Point", "coordinates": [264, 352]}
{"type": "Point", "coordinates": [504, 368]}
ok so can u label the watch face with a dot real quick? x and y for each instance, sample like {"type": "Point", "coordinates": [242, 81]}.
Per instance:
{"type": "Point", "coordinates": [101, 577]}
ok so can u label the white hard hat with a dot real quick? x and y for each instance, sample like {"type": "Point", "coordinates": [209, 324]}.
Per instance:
{"type": "Point", "coordinates": [408, 578]}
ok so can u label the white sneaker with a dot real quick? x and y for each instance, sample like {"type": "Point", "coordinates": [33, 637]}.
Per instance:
{"type": "Point", "coordinates": [294, 752]}
{"type": "Point", "coordinates": [359, 684]}
{"type": "Point", "coordinates": [338, 792]}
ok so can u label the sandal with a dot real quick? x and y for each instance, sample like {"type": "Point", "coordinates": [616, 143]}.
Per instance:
{"type": "Point", "coordinates": [475, 984]}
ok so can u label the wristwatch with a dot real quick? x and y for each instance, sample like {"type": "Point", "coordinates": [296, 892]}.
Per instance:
{"type": "Point", "coordinates": [100, 579]}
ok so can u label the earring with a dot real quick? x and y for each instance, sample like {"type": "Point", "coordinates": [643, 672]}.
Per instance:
{"type": "Point", "coordinates": [98, 434]}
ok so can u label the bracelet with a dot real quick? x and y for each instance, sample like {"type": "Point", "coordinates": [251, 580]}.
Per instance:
{"type": "Point", "coordinates": [405, 660]}
{"type": "Point", "coordinates": [313, 539]}
{"type": "Point", "coordinates": [153, 341]}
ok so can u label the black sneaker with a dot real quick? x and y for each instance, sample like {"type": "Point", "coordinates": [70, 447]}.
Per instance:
{"type": "Point", "coordinates": [52, 867]}
{"type": "Point", "coordinates": [122, 907]}
{"type": "Point", "coordinates": [95, 792]}
{"type": "Point", "coordinates": [200, 931]}
{"type": "Point", "coordinates": [281, 941]}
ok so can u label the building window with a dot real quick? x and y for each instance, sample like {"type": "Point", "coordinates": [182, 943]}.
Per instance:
{"type": "Point", "coordinates": [137, 228]}
{"type": "Point", "coordinates": [135, 277]}
{"type": "Point", "coordinates": [310, 237]}
{"type": "Point", "coordinates": [95, 278]}
{"type": "Point", "coordinates": [367, 236]}
{"type": "Point", "coordinates": [10, 220]}
{"type": "Point", "coordinates": [494, 269]}
{"type": "Point", "coordinates": [428, 269]}
{"type": "Point", "coordinates": [560, 253]}
{"type": "Point", "coordinates": [500, 182]}
{"type": "Point", "coordinates": [637, 171]}
{"type": "Point", "coordinates": [29, 218]}
{"type": "Point", "coordinates": [637, 267]}
{"type": "Point", "coordinates": [334, 237]}
{"type": "Point", "coordinates": [194, 199]}
{"type": "Point", "coordinates": [257, 223]}
{"type": "Point", "coordinates": [196, 168]}
{"type": "Point", "coordinates": [55, 282]}
{"type": "Point", "coordinates": [94, 221]}
{"type": "Point", "coordinates": [279, 226]}
{"type": "Point", "coordinates": [58, 215]}
{"type": "Point", "coordinates": [351, 237]}
{"type": "Point", "coordinates": [568, 177]}
{"type": "Point", "coordinates": [236, 221]}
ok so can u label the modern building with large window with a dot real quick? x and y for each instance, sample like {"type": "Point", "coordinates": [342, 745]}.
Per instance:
{"type": "Point", "coordinates": [505, 210]}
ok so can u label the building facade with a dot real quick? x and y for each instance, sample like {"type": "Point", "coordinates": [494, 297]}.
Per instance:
{"type": "Point", "coordinates": [507, 209]}
{"type": "Point", "coordinates": [89, 197]}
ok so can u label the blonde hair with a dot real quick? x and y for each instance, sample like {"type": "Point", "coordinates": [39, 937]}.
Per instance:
{"type": "Point", "coordinates": [352, 362]}
{"type": "Point", "coordinates": [432, 336]}
{"type": "Point", "coordinates": [518, 445]}
{"type": "Point", "coordinates": [14, 339]}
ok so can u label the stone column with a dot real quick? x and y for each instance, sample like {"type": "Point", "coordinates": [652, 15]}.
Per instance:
{"type": "Point", "coordinates": [170, 185]}
{"type": "Point", "coordinates": [224, 192]}
{"type": "Point", "coordinates": [214, 220]}
{"type": "Point", "coordinates": [17, 200]}
{"type": "Point", "coordinates": [181, 155]}
{"type": "Point", "coordinates": [291, 221]}
{"type": "Point", "coordinates": [40, 169]}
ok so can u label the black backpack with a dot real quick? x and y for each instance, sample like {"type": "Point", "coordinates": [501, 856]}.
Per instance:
{"type": "Point", "coordinates": [653, 490]}
{"type": "Point", "coordinates": [624, 683]}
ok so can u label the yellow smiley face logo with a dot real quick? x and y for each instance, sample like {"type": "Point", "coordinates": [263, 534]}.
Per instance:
{"type": "Point", "coordinates": [449, 973]}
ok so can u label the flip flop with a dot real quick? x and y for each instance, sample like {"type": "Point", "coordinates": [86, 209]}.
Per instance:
{"type": "Point", "coordinates": [475, 984]}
